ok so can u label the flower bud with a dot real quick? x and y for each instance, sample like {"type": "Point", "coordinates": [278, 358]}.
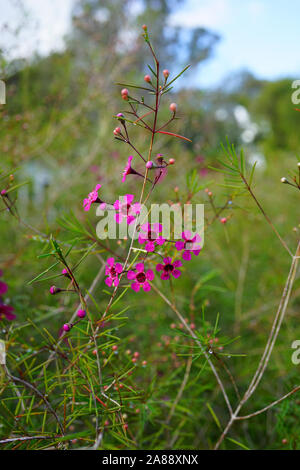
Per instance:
{"type": "Point", "coordinates": [67, 327]}
{"type": "Point", "coordinates": [124, 94]}
{"type": "Point", "coordinates": [65, 273]}
{"type": "Point", "coordinates": [121, 117]}
{"type": "Point", "coordinates": [147, 78]}
{"type": "Point", "coordinates": [284, 181]}
{"type": "Point", "coordinates": [223, 220]}
{"type": "Point", "coordinates": [144, 27]}
{"type": "Point", "coordinates": [173, 107]}
{"type": "Point", "coordinates": [81, 313]}
{"type": "Point", "coordinates": [166, 73]}
{"type": "Point", "coordinates": [117, 131]}
{"type": "Point", "coordinates": [3, 192]}
{"type": "Point", "coordinates": [171, 161]}
{"type": "Point", "coordinates": [54, 290]}
{"type": "Point", "coordinates": [149, 164]}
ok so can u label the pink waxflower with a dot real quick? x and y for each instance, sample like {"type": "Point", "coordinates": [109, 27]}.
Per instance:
{"type": "Point", "coordinates": [93, 197]}
{"type": "Point", "coordinates": [128, 170]}
{"type": "Point", "coordinates": [189, 244]}
{"type": "Point", "coordinates": [112, 271]}
{"type": "Point", "coordinates": [140, 277]}
{"type": "Point", "coordinates": [169, 268]}
{"type": "Point", "coordinates": [125, 209]}
{"type": "Point", "coordinates": [6, 312]}
{"type": "Point", "coordinates": [150, 235]}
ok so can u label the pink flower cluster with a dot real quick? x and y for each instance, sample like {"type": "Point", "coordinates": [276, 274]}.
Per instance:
{"type": "Point", "coordinates": [141, 277]}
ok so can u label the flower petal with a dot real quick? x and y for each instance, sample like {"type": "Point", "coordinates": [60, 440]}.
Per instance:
{"type": "Point", "coordinates": [131, 275]}
{"type": "Point", "coordinates": [186, 235]}
{"type": "Point", "coordinates": [108, 281]}
{"type": "Point", "coordinates": [135, 286]}
{"type": "Point", "coordinates": [150, 275]}
{"type": "Point", "coordinates": [146, 286]}
{"type": "Point", "coordinates": [187, 255]}
{"type": "Point", "coordinates": [176, 273]}
{"type": "Point", "coordinates": [177, 263]}
{"type": "Point", "coordinates": [150, 246]}
{"type": "Point", "coordinates": [165, 276]}
{"type": "Point", "coordinates": [128, 198]}
{"type": "Point", "coordinates": [179, 245]}
{"type": "Point", "coordinates": [140, 267]}
{"type": "Point", "coordinates": [118, 268]}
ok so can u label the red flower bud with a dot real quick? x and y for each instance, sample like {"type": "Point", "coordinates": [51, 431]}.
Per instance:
{"type": "Point", "coordinates": [117, 131]}
{"type": "Point", "coordinates": [171, 161]}
{"type": "Point", "coordinates": [166, 73]}
{"type": "Point", "coordinates": [147, 78]}
{"type": "Point", "coordinates": [173, 107]}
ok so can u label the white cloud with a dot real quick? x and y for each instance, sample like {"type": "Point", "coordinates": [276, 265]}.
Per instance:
{"type": "Point", "coordinates": [206, 13]}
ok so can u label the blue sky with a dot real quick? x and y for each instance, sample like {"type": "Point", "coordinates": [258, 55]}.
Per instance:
{"type": "Point", "coordinates": [260, 35]}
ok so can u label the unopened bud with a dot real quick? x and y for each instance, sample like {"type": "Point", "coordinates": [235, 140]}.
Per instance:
{"type": "Point", "coordinates": [284, 181]}
{"type": "Point", "coordinates": [147, 78]}
{"type": "Point", "coordinates": [144, 27]}
{"type": "Point", "coordinates": [66, 273]}
{"type": "Point", "coordinates": [117, 131]}
{"type": "Point", "coordinates": [67, 327]}
{"type": "Point", "coordinates": [81, 313]}
{"type": "Point", "coordinates": [171, 161]}
{"type": "Point", "coordinates": [3, 192]}
{"type": "Point", "coordinates": [149, 164]}
{"type": "Point", "coordinates": [173, 107]}
{"type": "Point", "coordinates": [223, 220]}
{"type": "Point", "coordinates": [121, 117]}
{"type": "Point", "coordinates": [166, 73]}
{"type": "Point", "coordinates": [54, 290]}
